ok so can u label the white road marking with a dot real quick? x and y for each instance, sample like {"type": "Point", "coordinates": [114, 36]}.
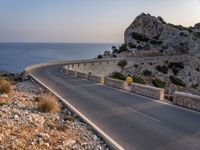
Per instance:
{"type": "Point", "coordinates": [144, 115]}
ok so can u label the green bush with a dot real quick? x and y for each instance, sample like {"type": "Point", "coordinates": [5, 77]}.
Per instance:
{"type": "Point", "coordinates": [138, 80]}
{"type": "Point", "coordinates": [118, 75]}
{"type": "Point", "coordinates": [122, 64]}
{"type": "Point", "coordinates": [163, 69]}
{"type": "Point", "coordinates": [176, 81]}
{"type": "Point", "coordinates": [139, 37]}
{"type": "Point", "coordinates": [161, 19]}
{"type": "Point", "coordinates": [195, 85]}
{"type": "Point", "coordinates": [158, 83]}
{"type": "Point", "coordinates": [156, 42]}
{"type": "Point", "coordinates": [179, 65]}
{"type": "Point", "coordinates": [139, 47]}
{"type": "Point", "coordinates": [131, 45]}
{"type": "Point", "coordinates": [147, 73]}
{"type": "Point", "coordinates": [176, 67]}
{"type": "Point", "coordinates": [114, 49]}
{"type": "Point", "coordinates": [136, 66]}
{"type": "Point", "coordinates": [196, 35]}
{"type": "Point", "coordinates": [123, 48]}
{"type": "Point", "coordinates": [99, 56]}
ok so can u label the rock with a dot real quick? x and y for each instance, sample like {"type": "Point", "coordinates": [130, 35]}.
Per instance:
{"type": "Point", "coordinates": [70, 142]}
{"type": "Point", "coordinates": [158, 35]}
{"type": "Point", "coordinates": [16, 117]}
{"type": "Point", "coordinates": [46, 144]}
{"type": "Point", "coordinates": [3, 95]}
{"type": "Point", "coordinates": [36, 119]}
{"type": "Point", "coordinates": [59, 147]}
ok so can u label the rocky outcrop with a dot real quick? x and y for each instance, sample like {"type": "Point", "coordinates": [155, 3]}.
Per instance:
{"type": "Point", "coordinates": [153, 33]}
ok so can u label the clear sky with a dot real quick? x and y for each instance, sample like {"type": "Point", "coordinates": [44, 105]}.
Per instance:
{"type": "Point", "coordinates": [85, 20]}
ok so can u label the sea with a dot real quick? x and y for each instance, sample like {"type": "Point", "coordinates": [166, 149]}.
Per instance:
{"type": "Point", "coordinates": [14, 57]}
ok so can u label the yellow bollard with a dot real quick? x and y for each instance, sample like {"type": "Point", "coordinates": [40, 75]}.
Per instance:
{"type": "Point", "coordinates": [129, 80]}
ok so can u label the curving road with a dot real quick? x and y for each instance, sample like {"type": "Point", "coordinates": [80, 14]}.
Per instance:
{"type": "Point", "coordinates": [135, 122]}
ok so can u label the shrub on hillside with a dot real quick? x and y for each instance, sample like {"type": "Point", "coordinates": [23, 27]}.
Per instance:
{"type": "Point", "coordinates": [156, 42]}
{"type": "Point", "coordinates": [131, 45]}
{"type": "Point", "coordinates": [196, 35]}
{"type": "Point", "coordinates": [114, 49]}
{"type": "Point", "coordinates": [136, 65]}
{"type": "Point", "coordinates": [147, 73]}
{"type": "Point", "coordinates": [122, 64]}
{"type": "Point", "coordinates": [139, 37]}
{"type": "Point", "coordinates": [99, 56]}
{"type": "Point", "coordinates": [176, 81]}
{"type": "Point", "coordinates": [163, 69]}
{"type": "Point", "coordinates": [161, 19]}
{"type": "Point", "coordinates": [118, 75]}
{"type": "Point", "coordinates": [138, 80]}
{"type": "Point", "coordinates": [123, 48]}
{"type": "Point", "coordinates": [48, 103]}
{"type": "Point", "coordinates": [195, 86]}
{"type": "Point", "coordinates": [5, 87]}
{"type": "Point", "coordinates": [158, 83]}
{"type": "Point", "coordinates": [176, 67]}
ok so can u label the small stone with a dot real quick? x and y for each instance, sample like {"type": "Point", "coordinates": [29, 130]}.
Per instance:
{"type": "Point", "coordinates": [4, 96]}
{"type": "Point", "coordinates": [46, 144]}
{"type": "Point", "coordinates": [16, 117]}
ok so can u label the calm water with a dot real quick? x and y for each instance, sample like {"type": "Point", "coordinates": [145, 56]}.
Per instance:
{"type": "Point", "coordinates": [14, 57]}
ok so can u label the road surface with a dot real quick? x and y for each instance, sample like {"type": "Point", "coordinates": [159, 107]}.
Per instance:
{"type": "Point", "coordinates": [135, 122]}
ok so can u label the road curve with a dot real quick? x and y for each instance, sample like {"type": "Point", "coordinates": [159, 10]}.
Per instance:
{"type": "Point", "coordinates": [135, 122]}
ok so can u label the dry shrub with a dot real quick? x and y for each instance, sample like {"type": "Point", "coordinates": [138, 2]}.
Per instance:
{"type": "Point", "coordinates": [5, 87]}
{"type": "Point", "coordinates": [50, 124]}
{"type": "Point", "coordinates": [48, 103]}
{"type": "Point", "coordinates": [62, 127]}
{"type": "Point", "coordinates": [70, 118]}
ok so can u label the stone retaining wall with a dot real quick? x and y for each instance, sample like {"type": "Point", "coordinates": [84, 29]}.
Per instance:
{"type": "Point", "coordinates": [97, 79]}
{"type": "Point", "coordinates": [187, 100]}
{"type": "Point", "coordinates": [149, 91]}
{"type": "Point", "coordinates": [100, 68]}
{"type": "Point", "coordinates": [71, 72]}
{"type": "Point", "coordinates": [116, 83]}
{"type": "Point", "coordinates": [82, 75]}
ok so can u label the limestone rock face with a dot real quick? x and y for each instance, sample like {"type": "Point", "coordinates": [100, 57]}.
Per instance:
{"type": "Point", "coordinates": [153, 33]}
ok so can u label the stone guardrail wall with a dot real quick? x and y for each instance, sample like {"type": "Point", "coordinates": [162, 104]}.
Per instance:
{"type": "Point", "coordinates": [182, 99]}
{"type": "Point", "coordinates": [97, 79]}
{"type": "Point", "coordinates": [71, 72]}
{"type": "Point", "coordinates": [145, 90]}
{"type": "Point", "coordinates": [149, 91]}
{"type": "Point", "coordinates": [116, 83]}
{"type": "Point", "coordinates": [187, 100]}
{"type": "Point", "coordinates": [97, 67]}
{"type": "Point", "coordinates": [82, 75]}
{"type": "Point", "coordinates": [91, 77]}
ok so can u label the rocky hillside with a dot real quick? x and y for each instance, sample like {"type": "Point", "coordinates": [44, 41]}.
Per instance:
{"type": "Point", "coordinates": [153, 33]}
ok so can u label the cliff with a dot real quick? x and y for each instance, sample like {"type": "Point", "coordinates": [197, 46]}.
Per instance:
{"type": "Point", "coordinates": [153, 33]}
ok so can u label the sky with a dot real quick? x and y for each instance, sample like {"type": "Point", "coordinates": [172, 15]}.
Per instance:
{"type": "Point", "coordinates": [101, 21]}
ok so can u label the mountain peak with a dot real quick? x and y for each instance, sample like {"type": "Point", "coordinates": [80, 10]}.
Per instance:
{"type": "Point", "coordinates": [152, 33]}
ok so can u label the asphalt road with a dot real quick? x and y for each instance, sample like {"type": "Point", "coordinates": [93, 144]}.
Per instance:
{"type": "Point", "coordinates": [135, 122]}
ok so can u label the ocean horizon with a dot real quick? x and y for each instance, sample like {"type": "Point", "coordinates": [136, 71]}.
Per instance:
{"type": "Point", "coordinates": [14, 57]}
